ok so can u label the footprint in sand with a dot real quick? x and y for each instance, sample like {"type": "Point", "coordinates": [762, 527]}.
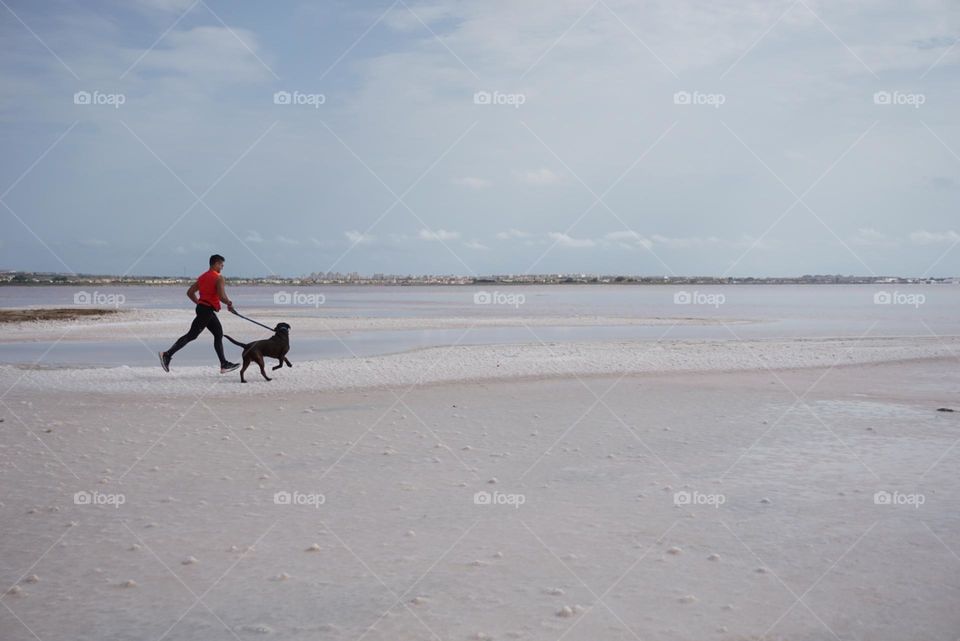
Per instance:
{"type": "Point", "coordinates": [568, 611]}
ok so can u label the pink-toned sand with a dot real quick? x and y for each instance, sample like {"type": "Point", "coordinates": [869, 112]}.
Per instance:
{"type": "Point", "coordinates": [680, 491]}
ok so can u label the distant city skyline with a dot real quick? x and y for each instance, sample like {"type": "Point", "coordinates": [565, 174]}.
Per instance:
{"type": "Point", "coordinates": [53, 278]}
{"type": "Point", "coordinates": [417, 137]}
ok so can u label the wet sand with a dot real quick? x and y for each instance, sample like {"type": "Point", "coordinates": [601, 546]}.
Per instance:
{"type": "Point", "coordinates": [52, 314]}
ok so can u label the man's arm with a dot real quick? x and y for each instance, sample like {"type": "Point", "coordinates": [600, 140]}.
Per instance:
{"type": "Point", "coordinates": [192, 294]}
{"type": "Point", "coordinates": [222, 293]}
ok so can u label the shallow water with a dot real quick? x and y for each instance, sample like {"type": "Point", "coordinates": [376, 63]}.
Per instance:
{"type": "Point", "coordinates": [778, 311]}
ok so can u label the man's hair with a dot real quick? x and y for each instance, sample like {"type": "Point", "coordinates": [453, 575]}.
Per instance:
{"type": "Point", "coordinates": [215, 258]}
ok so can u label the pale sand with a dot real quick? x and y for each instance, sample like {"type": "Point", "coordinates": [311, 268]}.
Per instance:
{"type": "Point", "coordinates": [483, 363]}
{"type": "Point", "coordinates": [597, 550]}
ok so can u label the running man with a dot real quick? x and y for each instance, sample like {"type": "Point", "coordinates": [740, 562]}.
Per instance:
{"type": "Point", "coordinates": [210, 285]}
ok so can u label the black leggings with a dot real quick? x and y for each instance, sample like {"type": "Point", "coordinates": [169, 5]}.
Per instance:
{"type": "Point", "coordinates": [206, 319]}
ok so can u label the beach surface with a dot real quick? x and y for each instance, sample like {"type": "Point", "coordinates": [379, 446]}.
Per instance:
{"type": "Point", "coordinates": [737, 489]}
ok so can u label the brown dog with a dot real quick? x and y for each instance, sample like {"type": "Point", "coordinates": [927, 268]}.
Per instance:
{"type": "Point", "coordinates": [276, 347]}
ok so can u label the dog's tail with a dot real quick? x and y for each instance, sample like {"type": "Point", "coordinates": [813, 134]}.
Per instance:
{"type": "Point", "coordinates": [236, 342]}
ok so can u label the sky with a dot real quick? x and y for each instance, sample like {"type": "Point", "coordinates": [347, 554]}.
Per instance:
{"type": "Point", "coordinates": [650, 137]}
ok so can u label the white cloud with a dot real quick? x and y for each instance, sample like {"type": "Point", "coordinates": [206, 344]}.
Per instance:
{"type": "Point", "coordinates": [542, 176]}
{"type": "Point", "coordinates": [283, 240]}
{"type": "Point", "coordinates": [513, 233]}
{"type": "Point", "coordinates": [746, 241]}
{"type": "Point", "coordinates": [869, 237]}
{"type": "Point", "coordinates": [253, 236]}
{"type": "Point", "coordinates": [923, 237]}
{"type": "Point", "coordinates": [439, 234]}
{"type": "Point", "coordinates": [209, 55]}
{"type": "Point", "coordinates": [359, 238]}
{"type": "Point", "coordinates": [686, 243]}
{"type": "Point", "coordinates": [195, 248]}
{"type": "Point", "coordinates": [473, 182]}
{"type": "Point", "coordinates": [563, 240]}
{"type": "Point", "coordinates": [407, 20]}
{"type": "Point", "coordinates": [475, 244]}
{"type": "Point", "coordinates": [322, 244]}
{"type": "Point", "coordinates": [165, 5]}
{"type": "Point", "coordinates": [628, 239]}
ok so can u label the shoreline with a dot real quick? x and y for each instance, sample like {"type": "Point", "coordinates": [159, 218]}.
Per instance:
{"type": "Point", "coordinates": [167, 323]}
{"type": "Point", "coordinates": [472, 281]}
{"type": "Point", "coordinates": [489, 363]}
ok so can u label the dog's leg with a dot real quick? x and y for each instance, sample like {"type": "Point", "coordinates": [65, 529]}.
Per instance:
{"type": "Point", "coordinates": [246, 364]}
{"type": "Point", "coordinates": [287, 361]}
{"type": "Point", "coordinates": [278, 366]}
{"type": "Point", "coordinates": [263, 371]}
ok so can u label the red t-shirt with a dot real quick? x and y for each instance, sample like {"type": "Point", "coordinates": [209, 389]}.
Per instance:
{"type": "Point", "coordinates": [207, 285]}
